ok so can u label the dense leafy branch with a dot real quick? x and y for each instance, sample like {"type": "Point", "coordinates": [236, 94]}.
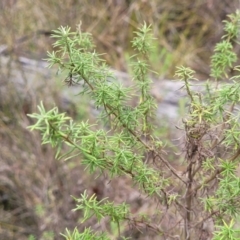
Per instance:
{"type": "Point", "coordinates": [207, 189]}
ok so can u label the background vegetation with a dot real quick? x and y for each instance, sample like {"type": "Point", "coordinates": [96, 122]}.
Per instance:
{"type": "Point", "coordinates": [34, 187]}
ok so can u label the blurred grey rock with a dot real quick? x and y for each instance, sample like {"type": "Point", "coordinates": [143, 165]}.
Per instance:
{"type": "Point", "coordinates": [30, 77]}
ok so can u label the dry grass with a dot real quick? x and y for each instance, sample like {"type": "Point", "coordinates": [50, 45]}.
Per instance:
{"type": "Point", "coordinates": [35, 189]}
{"type": "Point", "coordinates": [186, 30]}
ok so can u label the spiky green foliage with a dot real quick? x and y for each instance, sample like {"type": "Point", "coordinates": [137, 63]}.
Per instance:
{"type": "Point", "coordinates": [208, 187]}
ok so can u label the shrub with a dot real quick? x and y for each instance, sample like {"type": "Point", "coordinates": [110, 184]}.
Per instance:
{"type": "Point", "coordinates": [198, 202]}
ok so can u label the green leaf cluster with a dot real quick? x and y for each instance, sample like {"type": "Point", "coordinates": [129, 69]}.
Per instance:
{"type": "Point", "coordinates": [124, 136]}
